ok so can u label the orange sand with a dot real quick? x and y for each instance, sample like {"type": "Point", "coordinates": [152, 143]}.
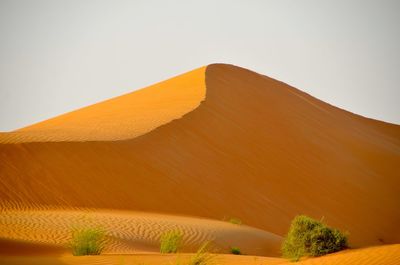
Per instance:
{"type": "Point", "coordinates": [132, 232]}
{"type": "Point", "coordinates": [140, 259]}
{"type": "Point", "coordinates": [383, 255]}
{"type": "Point", "coordinates": [255, 148]}
{"type": "Point", "coordinates": [123, 117]}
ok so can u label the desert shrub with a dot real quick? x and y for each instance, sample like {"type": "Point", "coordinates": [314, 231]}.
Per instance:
{"type": "Point", "coordinates": [309, 237]}
{"type": "Point", "coordinates": [171, 241]}
{"type": "Point", "coordinates": [87, 241]}
{"type": "Point", "coordinates": [202, 256]}
{"type": "Point", "coordinates": [235, 221]}
{"type": "Point", "coordinates": [236, 251]}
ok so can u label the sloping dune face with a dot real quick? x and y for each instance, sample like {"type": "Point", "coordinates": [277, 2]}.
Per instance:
{"type": "Point", "coordinates": [123, 117]}
{"type": "Point", "coordinates": [256, 149]}
{"type": "Point", "coordinates": [127, 232]}
{"type": "Point", "coordinates": [382, 255]}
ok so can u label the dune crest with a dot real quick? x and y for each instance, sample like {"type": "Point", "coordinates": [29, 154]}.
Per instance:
{"type": "Point", "coordinates": [123, 117]}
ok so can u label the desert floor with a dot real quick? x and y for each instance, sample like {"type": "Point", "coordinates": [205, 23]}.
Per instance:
{"type": "Point", "coordinates": [388, 255]}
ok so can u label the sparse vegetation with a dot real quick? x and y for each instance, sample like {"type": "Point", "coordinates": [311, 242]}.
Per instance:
{"type": "Point", "coordinates": [236, 251]}
{"type": "Point", "coordinates": [309, 237]}
{"type": "Point", "coordinates": [87, 241]}
{"type": "Point", "coordinates": [235, 221]}
{"type": "Point", "coordinates": [202, 256]}
{"type": "Point", "coordinates": [171, 241]}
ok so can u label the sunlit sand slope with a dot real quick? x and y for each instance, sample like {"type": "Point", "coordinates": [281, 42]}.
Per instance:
{"type": "Point", "coordinates": [256, 149]}
{"type": "Point", "coordinates": [129, 232]}
{"type": "Point", "coordinates": [122, 117]}
{"type": "Point", "coordinates": [140, 259]}
{"type": "Point", "coordinates": [383, 255]}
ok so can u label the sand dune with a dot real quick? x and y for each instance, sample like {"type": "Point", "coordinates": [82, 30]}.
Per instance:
{"type": "Point", "coordinates": [154, 259]}
{"type": "Point", "coordinates": [255, 148]}
{"type": "Point", "coordinates": [130, 232]}
{"type": "Point", "coordinates": [383, 255]}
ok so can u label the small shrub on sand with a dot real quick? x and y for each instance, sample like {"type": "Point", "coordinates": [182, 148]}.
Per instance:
{"type": "Point", "coordinates": [235, 221]}
{"type": "Point", "coordinates": [235, 251]}
{"type": "Point", "coordinates": [87, 241]}
{"type": "Point", "coordinates": [202, 256]}
{"type": "Point", "coordinates": [309, 237]}
{"type": "Point", "coordinates": [171, 241]}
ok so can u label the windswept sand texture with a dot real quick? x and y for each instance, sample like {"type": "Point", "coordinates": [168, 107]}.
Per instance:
{"type": "Point", "coordinates": [255, 148]}
{"type": "Point", "coordinates": [132, 232]}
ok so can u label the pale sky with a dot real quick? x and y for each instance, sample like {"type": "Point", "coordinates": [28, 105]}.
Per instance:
{"type": "Point", "coordinates": [57, 56]}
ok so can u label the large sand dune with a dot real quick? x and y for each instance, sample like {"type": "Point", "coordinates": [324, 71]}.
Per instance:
{"type": "Point", "coordinates": [255, 148]}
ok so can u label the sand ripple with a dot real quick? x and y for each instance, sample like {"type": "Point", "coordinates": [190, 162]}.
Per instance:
{"type": "Point", "coordinates": [130, 232]}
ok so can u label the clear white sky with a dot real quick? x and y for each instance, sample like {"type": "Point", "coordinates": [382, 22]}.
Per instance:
{"type": "Point", "coordinates": [56, 56]}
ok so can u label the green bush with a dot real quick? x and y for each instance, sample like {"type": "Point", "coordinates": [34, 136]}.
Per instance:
{"type": "Point", "coordinates": [87, 241]}
{"type": "Point", "coordinates": [202, 256]}
{"type": "Point", "coordinates": [235, 221]}
{"type": "Point", "coordinates": [308, 237]}
{"type": "Point", "coordinates": [236, 251]}
{"type": "Point", "coordinates": [171, 241]}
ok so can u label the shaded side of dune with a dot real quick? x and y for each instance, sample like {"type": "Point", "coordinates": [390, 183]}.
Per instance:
{"type": "Point", "coordinates": [256, 149]}
{"type": "Point", "coordinates": [10, 247]}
